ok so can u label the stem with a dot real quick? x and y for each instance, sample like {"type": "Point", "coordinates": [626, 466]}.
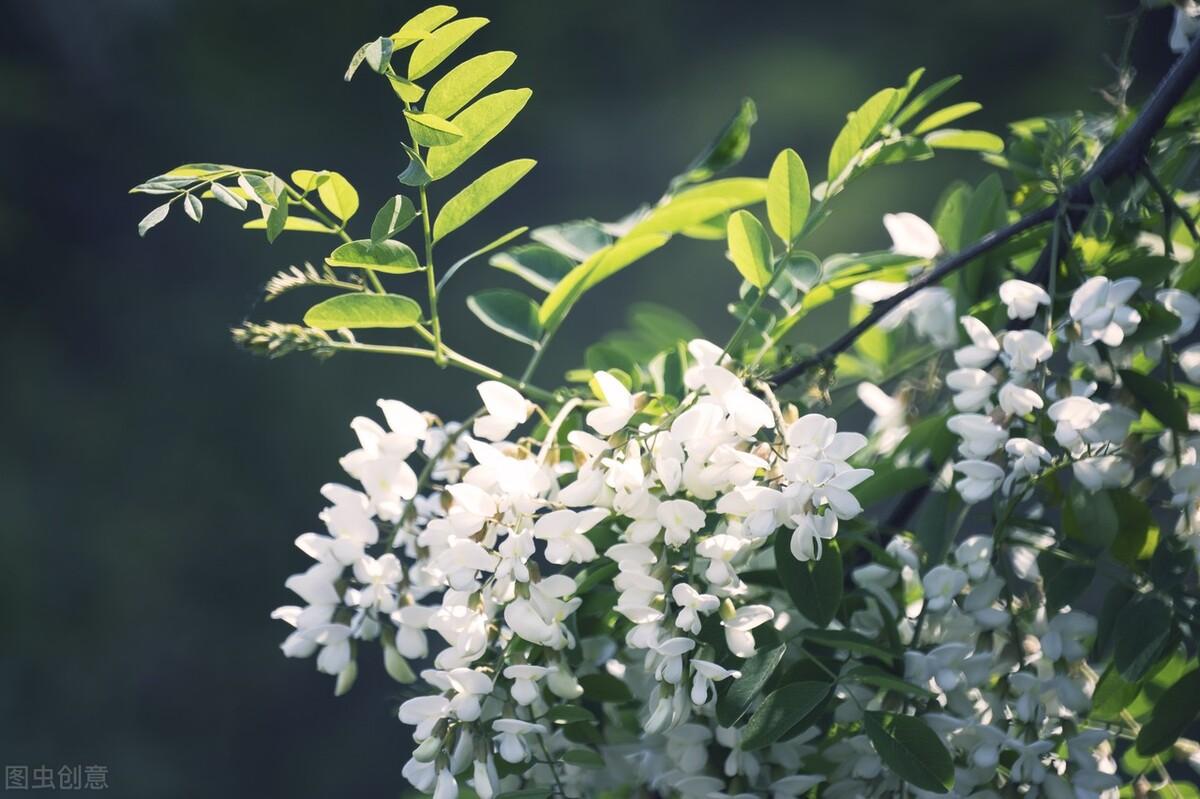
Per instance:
{"type": "Point", "coordinates": [1170, 205]}
{"type": "Point", "coordinates": [431, 280]}
{"type": "Point", "coordinates": [451, 358]}
{"type": "Point", "coordinates": [553, 766]}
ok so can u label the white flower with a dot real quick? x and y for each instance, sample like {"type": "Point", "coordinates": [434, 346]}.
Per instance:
{"type": "Point", "coordinates": [1183, 305]}
{"type": "Point", "coordinates": [1026, 457]}
{"type": "Point", "coordinates": [1019, 400]}
{"type": "Point", "coordinates": [680, 518]}
{"type": "Point", "coordinates": [891, 416]}
{"type": "Point", "coordinates": [424, 712]}
{"type": "Point", "coordinates": [379, 577]}
{"type": "Point", "coordinates": [738, 635]}
{"type": "Point", "coordinates": [705, 674]}
{"type": "Point", "coordinates": [1026, 349]}
{"type": "Point", "coordinates": [485, 779]}
{"type": "Point", "coordinates": [618, 407]}
{"type": "Point", "coordinates": [912, 235]}
{"type": "Point", "coordinates": [506, 409]}
{"type": "Point", "coordinates": [1065, 634]}
{"type": "Point", "coordinates": [980, 435]}
{"type": "Point", "coordinates": [510, 741]}
{"type": "Point", "coordinates": [525, 677]}
{"type": "Point", "coordinates": [942, 583]}
{"type": "Point", "coordinates": [539, 619]}
{"type": "Point", "coordinates": [1106, 471]}
{"type": "Point", "coordinates": [1189, 361]}
{"type": "Point", "coordinates": [983, 349]}
{"type": "Point", "coordinates": [980, 480]}
{"type": "Point", "coordinates": [931, 310]}
{"type": "Point", "coordinates": [975, 555]}
{"type": "Point", "coordinates": [670, 652]}
{"type": "Point", "coordinates": [811, 530]}
{"type": "Point", "coordinates": [691, 604]}
{"type": "Point", "coordinates": [1022, 298]}
{"type": "Point", "coordinates": [1072, 416]}
{"type": "Point", "coordinates": [972, 388]}
{"type": "Point", "coordinates": [1099, 307]}
{"type": "Point", "coordinates": [467, 689]}
{"type": "Point", "coordinates": [563, 531]}
{"type": "Point", "coordinates": [447, 786]}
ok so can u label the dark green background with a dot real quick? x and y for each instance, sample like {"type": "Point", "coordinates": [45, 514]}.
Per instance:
{"type": "Point", "coordinates": [152, 477]}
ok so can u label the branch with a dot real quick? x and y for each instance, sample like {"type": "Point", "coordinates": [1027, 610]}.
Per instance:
{"type": "Point", "coordinates": [1121, 158]}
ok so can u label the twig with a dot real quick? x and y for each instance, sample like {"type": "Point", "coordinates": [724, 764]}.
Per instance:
{"type": "Point", "coordinates": [1122, 157]}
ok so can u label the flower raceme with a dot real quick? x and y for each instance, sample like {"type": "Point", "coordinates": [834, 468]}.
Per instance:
{"type": "Point", "coordinates": [483, 564]}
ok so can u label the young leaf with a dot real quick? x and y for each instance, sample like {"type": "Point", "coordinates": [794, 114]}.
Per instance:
{"type": "Point", "coordinates": [925, 98]}
{"type": "Point", "coordinates": [480, 122]}
{"type": "Point", "coordinates": [479, 194]}
{"type": "Point", "coordinates": [1173, 714]}
{"type": "Point", "coordinates": [153, 218]}
{"type": "Point", "coordinates": [725, 150]}
{"type": "Point", "coordinates": [309, 180]}
{"type": "Point", "coordinates": [912, 750]}
{"type": "Point", "coordinates": [536, 264]}
{"type": "Point", "coordinates": [440, 44]}
{"type": "Point", "coordinates": [741, 693]}
{"type": "Point", "coordinates": [1156, 398]}
{"type": "Point", "coordinates": [815, 586]}
{"type": "Point", "coordinates": [509, 313]}
{"type": "Point", "coordinates": [945, 116]}
{"type": "Point", "coordinates": [861, 129]}
{"type": "Point", "coordinates": [363, 310]}
{"type": "Point", "coordinates": [953, 139]}
{"type": "Point", "coordinates": [415, 174]}
{"type": "Point", "coordinates": [393, 257]}
{"type": "Point", "coordinates": [429, 130]}
{"type": "Point", "coordinates": [265, 191]}
{"type": "Point", "coordinates": [749, 248]}
{"type": "Point", "coordinates": [338, 196]}
{"type": "Point", "coordinates": [782, 710]}
{"type": "Point", "coordinates": [461, 84]}
{"type": "Point", "coordinates": [377, 55]}
{"type": "Point", "coordinates": [395, 215]}
{"type": "Point", "coordinates": [788, 196]}
{"type": "Point", "coordinates": [424, 23]}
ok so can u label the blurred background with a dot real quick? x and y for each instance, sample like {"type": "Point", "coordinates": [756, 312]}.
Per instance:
{"type": "Point", "coordinates": [152, 476]}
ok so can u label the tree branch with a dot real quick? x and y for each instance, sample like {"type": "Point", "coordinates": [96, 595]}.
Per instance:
{"type": "Point", "coordinates": [1121, 158]}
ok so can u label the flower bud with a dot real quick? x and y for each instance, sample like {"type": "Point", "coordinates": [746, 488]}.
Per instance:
{"type": "Point", "coordinates": [428, 750]}
{"type": "Point", "coordinates": [562, 683]}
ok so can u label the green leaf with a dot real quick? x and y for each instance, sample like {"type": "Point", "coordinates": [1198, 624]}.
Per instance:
{"type": "Point", "coordinates": [430, 130]}
{"type": "Point", "coordinates": [416, 174]}
{"type": "Point", "coordinates": [1143, 629]}
{"type": "Point", "coordinates": [888, 482]}
{"type": "Point", "coordinates": [736, 699]}
{"type": "Point", "coordinates": [1137, 532]}
{"type": "Point", "coordinates": [750, 248]}
{"type": "Point", "coordinates": [376, 54]}
{"type": "Point", "coordinates": [153, 218]}
{"type": "Point", "coordinates": [461, 84]}
{"type": "Point", "coordinates": [952, 139]}
{"type": "Point", "coordinates": [424, 23]}
{"type": "Point", "coordinates": [509, 313]}
{"type": "Point", "coordinates": [861, 129]}
{"type": "Point", "coordinates": [479, 194]}
{"type": "Point", "coordinates": [1173, 714]}
{"type": "Point", "coordinates": [293, 224]}
{"type": "Point", "coordinates": [677, 215]}
{"type": "Point", "coordinates": [536, 264]}
{"type": "Point", "coordinates": [395, 215]}
{"type": "Point", "coordinates": [925, 98]}
{"type": "Point", "coordinates": [602, 264]}
{"type": "Point", "coordinates": [392, 257]}
{"type": "Point", "coordinates": [1089, 517]}
{"type": "Point", "coordinates": [724, 151]}
{"type": "Point", "coordinates": [783, 709]}
{"type": "Point", "coordinates": [480, 122]}
{"type": "Point", "coordinates": [440, 44]}
{"type": "Point", "coordinates": [276, 219]}
{"type": "Point", "coordinates": [565, 714]}
{"type": "Point", "coordinates": [605, 688]}
{"type": "Point", "coordinates": [363, 310]}
{"type": "Point", "coordinates": [406, 90]}
{"type": "Point", "coordinates": [1113, 694]}
{"type": "Point", "coordinates": [227, 197]}
{"type": "Point", "coordinates": [499, 241]}
{"type": "Point", "coordinates": [338, 196]}
{"type": "Point", "coordinates": [309, 180]}
{"type": "Point", "coordinates": [788, 196]}
{"type": "Point", "coordinates": [264, 191]}
{"type": "Point", "coordinates": [945, 116]}
{"type": "Point", "coordinates": [912, 750]}
{"type": "Point", "coordinates": [879, 678]}
{"type": "Point", "coordinates": [815, 586]}
{"type": "Point", "coordinates": [528, 793]}
{"type": "Point", "coordinates": [584, 758]}
{"type": "Point", "coordinates": [1156, 398]}
{"type": "Point", "coordinates": [847, 640]}
{"type": "Point", "coordinates": [1063, 581]}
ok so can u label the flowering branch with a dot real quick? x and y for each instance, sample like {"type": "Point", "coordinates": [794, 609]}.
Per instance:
{"type": "Point", "coordinates": [1122, 158]}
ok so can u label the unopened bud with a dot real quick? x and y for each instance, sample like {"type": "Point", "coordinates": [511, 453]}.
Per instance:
{"type": "Point", "coordinates": [428, 750]}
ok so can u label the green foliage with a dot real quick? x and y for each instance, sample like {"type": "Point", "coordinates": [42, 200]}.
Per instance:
{"type": "Point", "coordinates": [363, 310]}
{"type": "Point", "coordinates": [912, 750]}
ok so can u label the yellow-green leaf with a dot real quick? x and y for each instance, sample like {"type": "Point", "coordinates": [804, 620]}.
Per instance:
{"type": "Point", "coordinates": [953, 139]}
{"type": "Point", "coordinates": [861, 129]}
{"type": "Point", "coordinates": [749, 248]}
{"type": "Point", "coordinates": [363, 310]}
{"type": "Point", "coordinates": [479, 194]}
{"type": "Point", "coordinates": [393, 257]}
{"type": "Point", "coordinates": [338, 196]}
{"type": "Point", "coordinates": [430, 130]}
{"type": "Point", "coordinates": [438, 46]}
{"type": "Point", "coordinates": [788, 196]}
{"type": "Point", "coordinates": [480, 122]}
{"type": "Point", "coordinates": [298, 224]}
{"type": "Point", "coordinates": [602, 264]}
{"type": "Point", "coordinates": [677, 215]}
{"type": "Point", "coordinates": [420, 26]}
{"type": "Point", "coordinates": [945, 116]}
{"type": "Point", "coordinates": [406, 90]}
{"type": "Point", "coordinates": [460, 85]}
{"type": "Point", "coordinates": [307, 180]}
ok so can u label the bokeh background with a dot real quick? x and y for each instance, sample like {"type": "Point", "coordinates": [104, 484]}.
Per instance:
{"type": "Point", "coordinates": [152, 477]}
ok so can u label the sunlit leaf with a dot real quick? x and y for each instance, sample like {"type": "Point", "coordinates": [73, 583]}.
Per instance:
{"type": "Point", "coordinates": [298, 224]}
{"type": "Point", "coordinates": [509, 313]}
{"type": "Point", "coordinates": [945, 116]}
{"type": "Point", "coordinates": [338, 196]}
{"type": "Point", "coordinates": [788, 196]}
{"type": "Point", "coordinates": [153, 218]}
{"type": "Point", "coordinates": [599, 266]}
{"type": "Point", "coordinates": [376, 54]}
{"type": "Point", "coordinates": [1174, 713]}
{"type": "Point", "coordinates": [393, 257]}
{"type": "Point", "coordinates": [479, 194]}
{"type": "Point", "coordinates": [363, 310]}
{"type": "Point", "coordinates": [438, 46]}
{"type": "Point", "coordinates": [1157, 398]}
{"type": "Point", "coordinates": [749, 248]}
{"type": "Point", "coordinates": [429, 130]}
{"type": "Point", "coordinates": [460, 85]}
{"type": "Point", "coordinates": [725, 150]}
{"type": "Point", "coordinates": [536, 264]}
{"type": "Point", "coordinates": [193, 207]}
{"type": "Point", "coordinates": [224, 195]}
{"type": "Point", "coordinates": [861, 129]}
{"type": "Point", "coordinates": [952, 139]}
{"type": "Point", "coordinates": [923, 100]}
{"type": "Point", "coordinates": [395, 215]}
{"type": "Point", "coordinates": [424, 23]}
{"type": "Point", "coordinates": [480, 122]}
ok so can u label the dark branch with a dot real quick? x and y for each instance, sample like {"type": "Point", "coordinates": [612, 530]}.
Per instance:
{"type": "Point", "coordinates": [1123, 157]}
